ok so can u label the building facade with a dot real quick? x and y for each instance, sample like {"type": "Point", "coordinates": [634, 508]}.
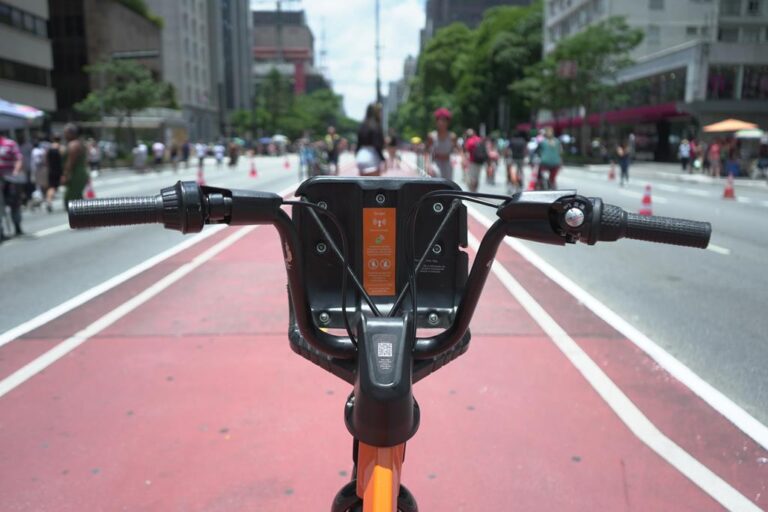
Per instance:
{"type": "Point", "coordinates": [398, 91]}
{"type": "Point", "coordinates": [86, 32]}
{"type": "Point", "coordinates": [190, 62]}
{"type": "Point", "coordinates": [26, 59]}
{"type": "Point", "coordinates": [701, 61]}
{"type": "Point", "coordinates": [441, 13]}
{"type": "Point", "coordinates": [282, 40]}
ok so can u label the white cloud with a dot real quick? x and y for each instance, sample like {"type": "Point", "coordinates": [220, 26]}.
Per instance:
{"type": "Point", "coordinates": [350, 39]}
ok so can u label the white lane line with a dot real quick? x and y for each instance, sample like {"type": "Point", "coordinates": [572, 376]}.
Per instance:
{"type": "Point", "coordinates": [668, 188]}
{"type": "Point", "coordinates": [717, 400]}
{"type": "Point", "coordinates": [65, 347]}
{"type": "Point", "coordinates": [67, 306]}
{"type": "Point", "coordinates": [744, 200]}
{"type": "Point", "coordinates": [51, 230]}
{"type": "Point", "coordinates": [697, 193]}
{"type": "Point", "coordinates": [719, 250]}
{"type": "Point", "coordinates": [639, 195]}
{"type": "Point", "coordinates": [621, 405]}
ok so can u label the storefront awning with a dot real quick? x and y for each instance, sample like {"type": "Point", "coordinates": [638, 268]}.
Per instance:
{"type": "Point", "coordinates": [633, 115]}
{"type": "Point", "coordinates": [15, 115]}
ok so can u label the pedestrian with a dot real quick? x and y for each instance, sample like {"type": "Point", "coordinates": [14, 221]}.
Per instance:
{"type": "Point", "coordinates": [55, 166]}
{"type": "Point", "coordinates": [40, 173]}
{"type": "Point", "coordinates": [477, 156]}
{"type": "Point", "coordinates": [11, 177]}
{"type": "Point", "coordinates": [174, 153]}
{"type": "Point", "coordinates": [624, 156]}
{"type": "Point", "coordinates": [140, 153]}
{"type": "Point", "coordinates": [94, 156]}
{"type": "Point", "coordinates": [158, 153]}
{"type": "Point", "coordinates": [201, 150]}
{"type": "Point", "coordinates": [233, 153]}
{"type": "Point", "coordinates": [515, 160]}
{"type": "Point", "coordinates": [185, 149]}
{"type": "Point", "coordinates": [370, 143]}
{"type": "Point", "coordinates": [684, 153]}
{"type": "Point", "coordinates": [332, 148]}
{"type": "Point", "coordinates": [441, 144]}
{"type": "Point", "coordinates": [550, 151]}
{"type": "Point", "coordinates": [493, 160]}
{"type": "Point", "coordinates": [75, 176]}
{"type": "Point", "coordinates": [218, 153]}
{"type": "Point", "coordinates": [392, 142]}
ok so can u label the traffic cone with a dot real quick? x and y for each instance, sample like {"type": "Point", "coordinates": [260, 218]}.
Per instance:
{"type": "Point", "coordinates": [200, 176]}
{"type": "Point", "coordinates": [89, 192]}
{"type": "Point", "coordinates": [286, 164]}
{"type": "Point", "coordinates": [612, 172]}
{"type": "Point", "coordinates": [253, 173]}
{"type": "Point", "coordinates": [532, 182]}
{"type": "Point", "coordinates": [645, 205]}
{"type": "Point", "coordinates": [729, 192]}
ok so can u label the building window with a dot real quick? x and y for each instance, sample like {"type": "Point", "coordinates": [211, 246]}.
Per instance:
{"type": "Point", "coordinates": [721, 82]}
{"type": "Point", "coordinates": [754, 7]}
{"type": "Point", "coordinates": [656, 5]}
{"type": "Point", "coordinates": [751, 34]}
{"type": "Point", "coordinates": [755, 85]}
{"type": "Point", "coordinates": [730, 7]}
{"type": "Point", "coordinates": [18, 72]}
{"type": "Point", "coordinates": [653, 34]}
{"type": "Point", "coordinates": [691, 31]}
{"type": "Point", "coordinates": [23, 20]}
{"type": "Point", "coordinates": [728, 34]}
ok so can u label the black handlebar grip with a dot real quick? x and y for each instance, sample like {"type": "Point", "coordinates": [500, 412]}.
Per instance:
{"type": "Point", "coordinates": [616, 223]}
{"type": "Point", "coordinates": [666, 230]}
{"type": "Point", "coordinates": [118, 211]}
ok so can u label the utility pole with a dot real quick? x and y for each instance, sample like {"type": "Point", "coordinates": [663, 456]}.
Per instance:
{"type": "Point", "coordinates": [279, 28]}
{"type": "Point", "coordinates": [378, 55]}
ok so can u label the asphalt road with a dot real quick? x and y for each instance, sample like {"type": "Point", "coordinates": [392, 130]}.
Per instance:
{"type": "Point", "coordinates": [52, 263]}
{"type": "Point", "coordinates": [708, 308]}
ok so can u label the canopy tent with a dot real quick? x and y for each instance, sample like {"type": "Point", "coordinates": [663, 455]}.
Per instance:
{"type": "Point", "coordinates": [729, 125]}
{"type": "Point", "coordinates": [14, 115]}
{"type": "Point", "coordinates": [750, 134]}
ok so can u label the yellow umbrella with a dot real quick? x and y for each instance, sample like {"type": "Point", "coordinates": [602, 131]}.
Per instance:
{"type": "Point", "coordinates": [729, 125]}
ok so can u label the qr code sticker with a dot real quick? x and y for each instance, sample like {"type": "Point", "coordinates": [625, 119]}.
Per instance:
{"type": "Point", "coordinates": [385, 349]}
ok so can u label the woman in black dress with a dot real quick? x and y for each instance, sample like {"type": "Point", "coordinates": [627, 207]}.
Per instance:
{"type": "Point", "coordinates": [55, 168]}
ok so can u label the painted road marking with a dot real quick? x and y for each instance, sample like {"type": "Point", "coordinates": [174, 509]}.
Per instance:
{"type": "Point", "coordinates": [717, 400]}
{"type": "Point", "coordinates": [51, 231]}
{"type": "Point", "coordinates": [668, 188]}
{"type": "Point", "coordinates": [744, 200]}
{"type": "Point", "coordinates": [698, 193]}
{"type": "Point", "coordinates": [55, 312]}
{"type": "Point", "coordinates": [639, 195]}
{"type": "Point", "coordinates": [65, 347]}
{"type": "Point", "coordinates": [627, 411]}
{"type": "Point", "coordinates": [719, 250]}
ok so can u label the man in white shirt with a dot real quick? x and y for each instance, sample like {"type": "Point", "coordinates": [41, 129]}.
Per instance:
{"type": "Point", "coordinates": [201, 150]}
{"type": "Point", "coordinates": [158, 150]}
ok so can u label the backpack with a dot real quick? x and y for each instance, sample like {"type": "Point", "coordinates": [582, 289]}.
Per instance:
{"type": "Point", "coordinates": [480, 153]}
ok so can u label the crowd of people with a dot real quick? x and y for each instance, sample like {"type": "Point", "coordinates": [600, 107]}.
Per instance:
{"type": "Point", "coordinates": [32, 172]}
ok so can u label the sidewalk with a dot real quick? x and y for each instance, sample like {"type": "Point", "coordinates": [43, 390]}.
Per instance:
{"type": "Point", "coordinates": [669, 171]}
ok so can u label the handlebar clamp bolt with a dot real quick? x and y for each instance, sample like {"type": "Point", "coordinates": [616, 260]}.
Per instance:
{"type": "Point", "coordinates": [574, 217]}
{"type": "Point", "coordinates": [323, 205]}
{"type": "Point", "coordinates": [433, 319]}
{"type": "Point", "coordinates": [380, 198]}
{"type": "Point", "coordinates": [321, 248]}
{"type": "Point", "coordinates": [437, 208]}
{"type": "Point", "coordinates": [437, 249]}
{"type": "Point", "coordinates": [324, 318]}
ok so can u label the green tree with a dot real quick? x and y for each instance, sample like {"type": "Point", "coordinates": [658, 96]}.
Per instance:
{"type": "Point", "coordinates": [126, 87]}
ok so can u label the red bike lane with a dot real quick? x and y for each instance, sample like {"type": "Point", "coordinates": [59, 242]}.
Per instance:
{"type": "Point", "coordinates": [194, 401]}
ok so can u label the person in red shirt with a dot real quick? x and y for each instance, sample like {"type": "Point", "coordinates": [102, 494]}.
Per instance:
{"type": "Point", "coordinates": [715, 164]}
{"type": "Point", "coordinates": [10, 173]}
{"type": "Point", "coordinates": [474, 147]}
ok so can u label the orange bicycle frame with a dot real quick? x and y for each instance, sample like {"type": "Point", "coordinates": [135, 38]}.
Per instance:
{"type": "Point", "coordinates": [378, 476]}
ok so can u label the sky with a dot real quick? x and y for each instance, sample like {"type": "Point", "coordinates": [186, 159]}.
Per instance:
{"type": "Point", "coordinates": [350, 39]}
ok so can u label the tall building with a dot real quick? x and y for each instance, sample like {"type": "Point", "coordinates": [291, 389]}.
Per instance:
{"type": "Point", "coordinates": [441, 13]}
{"type": "Point", "coordinates": [701, 61]}
{"type": "Point", "coordinates": [282, 40]}
{"type": "Point", "coordinates": [26, 60]}
{"type": "Point", "coordinates": [398, 91]}
{"type": "Point", "coordinates": [190, 63]}
{"type": "Point", "coordinates": [85, 32]}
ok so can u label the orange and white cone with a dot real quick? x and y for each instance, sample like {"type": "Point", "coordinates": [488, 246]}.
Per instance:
{"type": "Point", "coordinates": [89, 192]}
{"type": "Point", "coordinates": [200, 176]}
{"type": "Point", "coordinates": [646, 205]}
{"type": "Point", "coordinates": [729, 192]}
{"type": "Point", "coordinates": [532, 182]}
{"type": "Point", "coordinates": [612, 172]}
{"type": "Point", "coordinates": [253, 173]}
{"type": "Point", "coordinates": [286, 164]}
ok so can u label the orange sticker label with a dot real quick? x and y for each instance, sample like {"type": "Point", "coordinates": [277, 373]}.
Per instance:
{"type": "Point", "coordinates": [379, 245]}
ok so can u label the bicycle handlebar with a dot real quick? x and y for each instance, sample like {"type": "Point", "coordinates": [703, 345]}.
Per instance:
{"type": "Point", "coordinates": [119, 211]}
{"type": "Point", "coordinates": [617, 223]}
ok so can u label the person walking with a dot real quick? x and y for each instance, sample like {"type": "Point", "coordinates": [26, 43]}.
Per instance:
{"type": "Point", "coordinates": [11, 175]}
{"type": "Point", "coordinates": [201, 150]}
{"type": "Point", "coordinates": [332, 148]}
{"type": "Point", "coordinates": [94, 155]}
{"type": "Point", "coordinates": [75, 176]}
{"type": "Point", "coordinates": [140, 153]}
{"type": "Point", "coordinates": [392, 142]}
{"type": "Point", "coordinates": [684, 153]}
{"type": "Point", "coordinates": [158, 154]}
{"type": "Point", "coordinates": [623, 155]}
{"type": "Point", "coordinates": [40, 173]}
{"type": "Point", "coordinates": [185, 150]}
{"type": "Point", "coordinates": [370, 143]}
{"type": "Point", "coordinates": [441, 144]}
{"type": "Point", "coordinates": [715, 161]}
{"type": "Point", "coordinates": [54, 162]}
{"type": "Point", "coordinates": [550, 151]}
{"type": "Point", "coordinates": [477, 156]}
{"type": "Point", "coordinates": [218, 154]}
{"type": "Point", "coordinates": [515, 160]}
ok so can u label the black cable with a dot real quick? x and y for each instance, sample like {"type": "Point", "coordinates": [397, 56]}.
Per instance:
{"type": "Point", "coordinates": [344, 249]}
